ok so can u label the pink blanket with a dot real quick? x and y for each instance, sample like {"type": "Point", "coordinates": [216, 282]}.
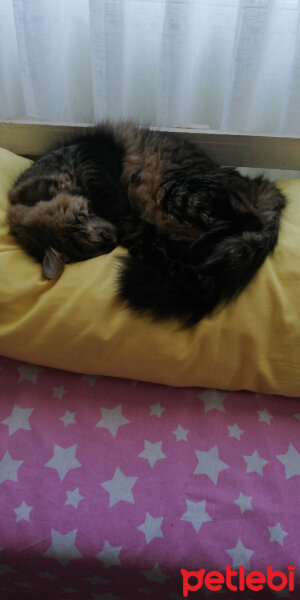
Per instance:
{"type": "Point", "coordinates": [108, 488]}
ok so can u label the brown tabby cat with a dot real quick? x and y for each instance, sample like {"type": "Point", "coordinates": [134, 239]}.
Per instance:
{"type": "Point", "coordinates": [197, 232]}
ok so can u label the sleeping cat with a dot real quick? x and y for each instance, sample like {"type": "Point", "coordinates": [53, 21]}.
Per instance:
{"type": "Point", "coordinates": [196, 232]}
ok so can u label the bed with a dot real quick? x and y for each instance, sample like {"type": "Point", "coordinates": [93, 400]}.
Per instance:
{"type": "Point", "coordinates": [108, 487]}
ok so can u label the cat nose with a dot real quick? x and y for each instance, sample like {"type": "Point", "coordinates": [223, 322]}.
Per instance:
{"type": "Point", "coordinates": [110, 237]}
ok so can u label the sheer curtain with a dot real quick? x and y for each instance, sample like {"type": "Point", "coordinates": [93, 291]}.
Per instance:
{"type": "Point", "coordinates": [231, 65]}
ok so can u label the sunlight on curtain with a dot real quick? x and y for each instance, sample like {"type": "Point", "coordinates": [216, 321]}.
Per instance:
{"type": "Point", "coordinates": [232, 65]}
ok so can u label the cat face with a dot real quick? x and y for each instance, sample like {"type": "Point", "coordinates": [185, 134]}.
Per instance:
{"type": "Point", "coordinates": [77, 234]}
{"type": "Point", "coordinates": [60, 231]}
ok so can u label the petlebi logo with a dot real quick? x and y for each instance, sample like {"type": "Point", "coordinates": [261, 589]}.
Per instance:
{"type": "Point", "coordinates": [237, 580]}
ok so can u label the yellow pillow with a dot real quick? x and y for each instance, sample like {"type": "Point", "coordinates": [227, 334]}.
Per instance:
{"type": "Point", "coordinates": [76, 322]}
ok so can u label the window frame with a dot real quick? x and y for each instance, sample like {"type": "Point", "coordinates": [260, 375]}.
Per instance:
{"type": "Point", "coordinates": [32, 138]}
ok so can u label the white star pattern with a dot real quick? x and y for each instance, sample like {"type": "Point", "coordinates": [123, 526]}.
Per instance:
{"type": "Point", "coordinates": [290, 461]}
{"type": "Point", "coordinates": [63, 547]}
{"type": "Point", "coordinates": [9, 468]}
{"type": "Point", "coordinates": [58, 392]}
{"type": "Point", "coordinates": [264, 416]}
{"type": "Point", "coordinates": [156, 410]}
{"type": "Point", "coordinates": [98, 580]}
{"type": "Point", "coordinates": [240, 555]}
{"type": "Point", "coordinates": [19, 419]}
{"type": "Point", "coordinates": [152, 452]}
{"type": "Point", "coordinates": [277, 534]}
{"type": "Point", "coordinates": [213, 399]}
{"type": "Point", "coordinates": [155, 574]}
{"type": "Point", "coordinates": [29, 373]}
{"type": "Point", "coordinates": [63, 460]}
{"type": "Point", "coordinates": [151, 528]}
{"type": "Point", "coordinates": [68, 418]}
{"type": "Point", "coordinates": [235, 431]}
{"type": "Point", "coordinates": [110, 555]}
{"type": "Point", "coordinates": [119, 487]}
{"type": "Point", "coordinates": [196, 514]}
{"type": "Point", "coordinates": [209, 464]}
{"type": "Point", "coordinates": [282, 594]}
{"type": "Point", "coordinates": [74, 498]}
{"type": "Point", "coordinates": [5, 569]}
{"type": "Point", "coordinates": [23, 511]}
{"type": "Point", "coordinates": [124, 489]}
{"type": "Point", "coordinates": [180, 433]}
{"type": "Point", "coordinates": [105, 596]}
{"type": "Point", "coordinates": [24, 585]}
{"type": "Point", "coordinates": [255, 463]}
{"type": "Point", "coordinates": [244, 502]}
{"type": "Point", "coordinates": [112, 419]}
{"type": "Point", "coordinates": [91, 379]}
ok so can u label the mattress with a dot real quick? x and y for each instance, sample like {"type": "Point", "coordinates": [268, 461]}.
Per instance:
{"type": "Point", "coordinates": [110, 487]}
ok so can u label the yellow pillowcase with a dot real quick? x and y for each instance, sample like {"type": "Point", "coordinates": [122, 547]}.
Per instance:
{"type": "Point", "coordinates": [76, 322]}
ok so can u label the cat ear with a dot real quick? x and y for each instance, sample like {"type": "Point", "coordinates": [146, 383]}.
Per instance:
{"type": "Point", "coordinates": [53, 264]}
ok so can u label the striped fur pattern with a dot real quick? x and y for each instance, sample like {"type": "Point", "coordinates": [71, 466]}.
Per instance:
{"type": "Point", "coordinates": [196, 232]}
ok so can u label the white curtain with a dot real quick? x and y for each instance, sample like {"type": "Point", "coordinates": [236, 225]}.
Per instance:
{"type": "Point", "coordinates": [232, 65]}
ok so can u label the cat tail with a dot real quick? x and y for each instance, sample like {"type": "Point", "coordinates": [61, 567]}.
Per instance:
{"type": "Point", "coordinates": [148, 291]}
{"type": "Point", "coordinates": [198, 291]}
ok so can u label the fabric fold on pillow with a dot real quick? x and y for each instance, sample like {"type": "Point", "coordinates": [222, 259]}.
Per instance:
{"type": "Point", "coordinates": [77, 323]}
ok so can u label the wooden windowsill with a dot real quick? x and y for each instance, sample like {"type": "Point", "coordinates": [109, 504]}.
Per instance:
{"type": "Point", "coordinates": [31, 138]}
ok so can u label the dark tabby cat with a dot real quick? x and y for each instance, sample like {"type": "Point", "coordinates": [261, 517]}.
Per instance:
{"type": "Point", "coordinates": [196, 232]}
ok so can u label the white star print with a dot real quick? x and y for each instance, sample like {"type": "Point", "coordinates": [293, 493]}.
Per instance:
{"type": "Point", "coordinates": [156, 410]}
{"type": "Point", "coordinates": [90, 379]}
{"type": "Point", "coordinates": [212, 399]}
{"type": "Point", "coordinates": [196, 514]}
{"type": "Point", "coordinates": [9, 468]}
{"type": "Point", "coordinates": [63, 547]}
{"type": "Point", "coordinates": [112, 419]}
{"type": "Point", "coordinates": [291, 462]}
{"type": "Point", "coordinates": [151, 528]}
{"type": "Point", "coordinates": [155, 574]}
{"type": "Point", "coordinates": [209, 464]}
{"type": "Point", "coordinates": [109, 555]}
{"type": "Point", "coordinates": [240, 555]}
{"type": "Point", "coordinates": [152, 452]}
{"type": "Point", "coordinates": [59, 392]}
{"type": "Point", "coordinates": [119, 487]}
{"type": "Point", "coordinates": [255, 463]}
{"type": "Point", "coordinates": [235, 431]}
{"type": "Point", "coordinates": [244, 502]}
{"type": "Point", "coordinates": [105, 596]}
{"type": "Point", "coordinates": [68, 418]}
{"type": "Point", "coordinates": [46, 575]}
{"type": "Point", "coordinates": [282, 594]}
{"type": "Point", "coordinates": [180, 433]}
{"type": "Point", "coordinates": [97, 580]}
{"type": "Point", "coordinates": [264, 415]}
{"type": "Point", "coordinates": [24, 585]}
{"type": "Point", "coordinates": [23, 511]}
{"type": "Point", "coordinates": [74, 498]}
{"type": "Point", "coordinates": [19, 419]}
{"type": "Point", "coordinates": [63, 460]}
{"type": "Point", "coordinates": [5, 569]}
{"type": "Point", "coordinates": [277, 534]}
{"type": "Point", "coordinates": [297, 416]}
{"type": "Point", "coordinates": [29, 373]}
